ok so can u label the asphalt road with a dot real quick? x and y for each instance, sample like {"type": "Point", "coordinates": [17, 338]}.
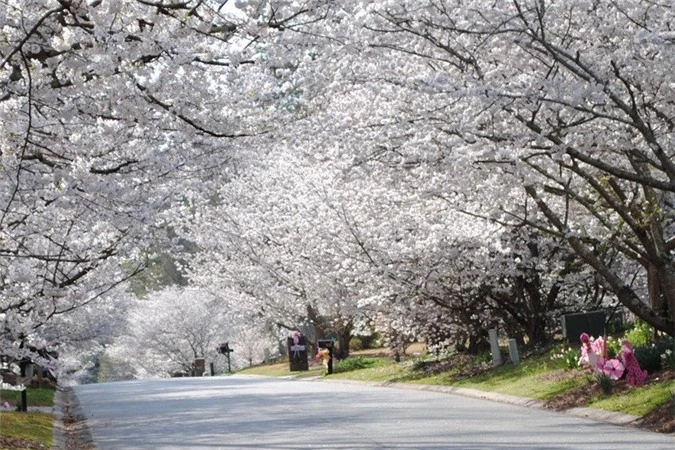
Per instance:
{"type": "Point", "coordinates": [240, 412]}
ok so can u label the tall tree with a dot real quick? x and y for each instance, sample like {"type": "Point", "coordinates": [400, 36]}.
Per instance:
{"type": "Point", "coordinates": [99, 135]}
{"type": "Point", "coordinates": [568, 100]}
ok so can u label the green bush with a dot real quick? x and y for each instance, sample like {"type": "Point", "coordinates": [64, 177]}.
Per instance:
{"type": "Point", "coordinates": [666, 346]}
{"type": "Point", "coordinates": [613, 347]}
{"type": "Point", "coordinates": [640, 334]}
{"type": "Point", "coordinates": [668, 359]}
{"type": "Point", "coordinates": [369, 341]}
{"type": "Point", "coordinates": [358, 363]}
{"type": "Point", "coordinates": [649, 356]}
{"type": "Point", "coordinates": [355, 344]}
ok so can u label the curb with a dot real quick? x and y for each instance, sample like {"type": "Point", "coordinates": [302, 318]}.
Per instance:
{"type": "Point", "coordinates": [597, 415]}
{"type": "Point", "coordinates": [58, 432]}
{"type": "Point", "coordinates": [70, 430]}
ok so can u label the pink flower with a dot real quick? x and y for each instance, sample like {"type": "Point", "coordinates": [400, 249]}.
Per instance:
{"type": "Point", "coordinates": [599, 363]}
{"type": "Point", "coordinates": [584, 338]}
{"type": "Point", "coordinates": [613, 369]}
{"type": "Point", "coordinates": [296, 337]}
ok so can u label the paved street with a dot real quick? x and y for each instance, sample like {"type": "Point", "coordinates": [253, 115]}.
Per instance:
{"type": "Point", "coordinates": [239, 412]}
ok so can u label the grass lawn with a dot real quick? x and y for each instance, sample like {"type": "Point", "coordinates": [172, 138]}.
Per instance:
{"type": "Point", "coordinates": [21, 430]}
{"type": "Point", "coordinates": [35, 397]}
{"type": "Point", "coordinates": [25, 430]}
{"type": "Point", "coordinates": [535, 377]}
{"type": "Point", "coordinates": [637, 401]}
{"type": "Point", "coordinates": [283, 370]}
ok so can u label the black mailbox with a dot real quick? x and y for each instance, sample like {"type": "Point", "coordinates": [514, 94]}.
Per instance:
{"type": "Point", "coordinates": [224, 349]}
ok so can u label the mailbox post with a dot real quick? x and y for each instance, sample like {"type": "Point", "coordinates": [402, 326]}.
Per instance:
{"type": "Point", "coordinates": [224, 349]}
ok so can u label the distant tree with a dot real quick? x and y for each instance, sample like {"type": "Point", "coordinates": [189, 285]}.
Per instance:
{"type": "Point", "coordinates": [170, 329]}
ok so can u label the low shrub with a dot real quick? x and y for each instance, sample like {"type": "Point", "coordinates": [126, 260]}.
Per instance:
{"type": "Point", "coordinates": [613, 347]}
{"type": "Point", "coordinates": [639, 335]}
{"type": "Point", "coordinates": [650, 356]}
{"type": "Point", "coordinates": [369, 341]}
{"type": "Point", "coordinates": [668, 359]}
{"type": "Point", "coordinates": [355, 344]}
{"type": "Point", "coordinates": [606, 383]}
{"type": "Point", "coordinates": [358, 363]}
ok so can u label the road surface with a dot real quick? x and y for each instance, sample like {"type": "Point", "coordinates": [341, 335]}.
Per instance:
{"type": "Point", "coordinates": [243, 412]}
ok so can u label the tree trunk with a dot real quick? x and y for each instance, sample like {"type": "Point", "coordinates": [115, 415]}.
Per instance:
{"type": "Point", "coordinates": [661, 288]}
{"type": "Point", "coordinates": [345, 337]}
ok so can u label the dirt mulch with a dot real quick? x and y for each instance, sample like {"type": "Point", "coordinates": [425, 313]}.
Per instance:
{"type": "Point", "coordinates": [7, 443]}
{"type": "Point", "coordinates": [661, 420]}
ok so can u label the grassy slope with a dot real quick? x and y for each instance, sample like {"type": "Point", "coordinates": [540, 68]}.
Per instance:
{"type": "Point", "coordinates": [31, 427]}
{"type": "Point", "coordinates": [534, 378]}
{"type": "Point", "coordinates": [26, 430]}
{"type": "Point", "coordinates": [637, 401]}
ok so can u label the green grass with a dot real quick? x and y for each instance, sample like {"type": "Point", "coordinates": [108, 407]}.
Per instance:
{"type": "Point", "coordinates": [387, 370]}
{"type": "Point", "coordinates": [350, 365]}
{"type": "Point", "coordinates": [534, 377]}
{"type": "Point", "coordinates": [637, 401]}
{"type": "Point", "coordinates": [35, 397]}
{"type": "Point", "coordinates": [282, 370]}
{"type": "Point", "coordinates": [531, 385]}
{"type": "Point", "coordinates": [33, 427]}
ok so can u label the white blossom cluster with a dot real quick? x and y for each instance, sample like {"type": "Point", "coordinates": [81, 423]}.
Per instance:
{"type": "Point", "coordinates": [418, 168]}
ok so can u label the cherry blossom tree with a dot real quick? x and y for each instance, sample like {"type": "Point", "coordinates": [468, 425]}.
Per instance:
{"type": "Point", "coordinates": [100, 135]}
{"type": "Point", "coordinates": [170, 329]}
{"type": "Point", "coordinates": [275, 236]}
{"type": "Point", "coordinates": [567, 104]}
{"type": "Point", "coordinates": [339, 159]}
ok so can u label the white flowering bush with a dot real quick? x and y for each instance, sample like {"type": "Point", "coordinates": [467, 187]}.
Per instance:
{"type": "Point", "coordinates": [568, 357]}
{"type": "Point", "coordinates": [668, 359]}
{"type": "Point", "coordinates": [12, 387]}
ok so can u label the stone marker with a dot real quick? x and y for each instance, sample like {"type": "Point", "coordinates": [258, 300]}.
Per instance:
{"type": "Point", "coordinates": [494, 347]}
